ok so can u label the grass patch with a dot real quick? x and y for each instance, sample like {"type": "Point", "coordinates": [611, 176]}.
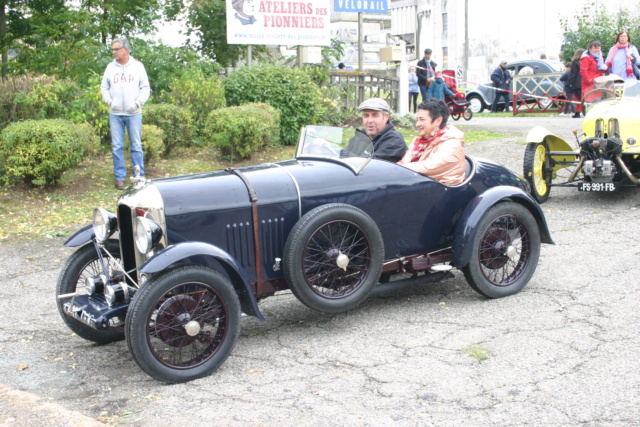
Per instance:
{"type": "Point", "coordinates": [477, 352]}
{"type": "Point", "coordinates": [27, 213]}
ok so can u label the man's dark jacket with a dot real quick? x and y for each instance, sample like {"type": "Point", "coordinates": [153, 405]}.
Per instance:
{"type": "Point", "coordinates": [389, 144]}
{"type": "Point", "coordinates": [500, 77]}
{"type": "Point", "coordinates": [422, 72]}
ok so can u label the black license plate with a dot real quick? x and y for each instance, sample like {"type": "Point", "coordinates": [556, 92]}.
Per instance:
{"type": "Point", "coordinates": [598, 186]}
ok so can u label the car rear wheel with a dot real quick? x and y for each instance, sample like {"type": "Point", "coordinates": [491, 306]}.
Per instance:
{"type": "Point", "coordinates": [84, 263]}
{"type": "Point", "coordinates": [333, 258]}
{"type": "Point", "coordinates": [468, 114]}
{"type": "Point", "coordinates": [183, 324]}
{"type": "Point", "coordinates": [506, 248]}
{"type": "Point", "coordinates": [537, 171]}
{"type": "Point", "coordinates": [476, 104]}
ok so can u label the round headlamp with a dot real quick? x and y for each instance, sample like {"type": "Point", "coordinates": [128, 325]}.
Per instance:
{"type": "Point", "coordinates": [116, 293]}
{"type": "Point", "coordinates": [95, 285]}
{"type": "Point", "coordinates": [631, 141]}
{"type": "Point", "coordinates": [104, 224]}
{"type": "Point", "coordinates": [147, 234]}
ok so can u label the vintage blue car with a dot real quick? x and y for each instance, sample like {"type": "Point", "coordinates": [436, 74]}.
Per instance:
{"type": "Point", "coordinates": [182, 259]}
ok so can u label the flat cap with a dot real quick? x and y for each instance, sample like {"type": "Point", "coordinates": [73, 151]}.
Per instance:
{"type": "Point", "coordinates": [374, 104]}
{"type": "Point", "coordinates": [427, 50]}
{"type": "Point", "coordinates": [503, 62]}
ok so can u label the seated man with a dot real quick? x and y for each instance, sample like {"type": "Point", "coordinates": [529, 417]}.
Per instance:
{"type": "Point", "coordinates": [439, 150]}
{"type": "Point", "coordinates": [388, 143]}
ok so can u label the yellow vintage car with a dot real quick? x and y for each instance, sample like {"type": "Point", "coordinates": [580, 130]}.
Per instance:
{"type": "Point", "coordinates": [607, 156]}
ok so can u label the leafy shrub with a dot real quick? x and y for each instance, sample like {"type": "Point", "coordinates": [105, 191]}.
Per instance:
{"type": "Point", "coordinates": [89, 107]}
{"type": "Point", "coordinates": [176, 124]}
{"type": "Point", "coordinates": [38, 152]}
{"type": "Point", "coordinates": [239, 131]}
{"type": "Point", "coordinates": [407, 121]}
{"type": "Point", "coordinates": [24, 98]}
{"type": "Point", "coordinates": [290, 91]}
{"type": "Point", "coordinates": [199, 92]}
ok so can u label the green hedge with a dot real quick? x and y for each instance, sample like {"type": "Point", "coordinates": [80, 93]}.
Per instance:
{"type": "Point", "coordinates": [38, 152]}
{"type": "Point", "coordinates": [288, 90]}
{"type": "Point", "coordinates": [239, 131]}
{"type": "Point", "coordinates": [176, 124]}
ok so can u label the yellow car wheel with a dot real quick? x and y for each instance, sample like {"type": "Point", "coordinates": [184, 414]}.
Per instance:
{"type": "Point", "coordinates": [536, 170]}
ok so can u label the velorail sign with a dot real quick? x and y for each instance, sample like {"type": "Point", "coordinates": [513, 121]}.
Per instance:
{"type": "Point", "coordinates": [363, 6]}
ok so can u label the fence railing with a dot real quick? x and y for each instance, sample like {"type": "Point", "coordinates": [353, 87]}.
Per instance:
{"type": "Point", "coordinates": [360, 85]}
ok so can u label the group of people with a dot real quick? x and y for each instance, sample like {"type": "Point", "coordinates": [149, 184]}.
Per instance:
{"type": "Point", "coordinates": [426, 81]}
{"type": "Point", "coordinates": [588, 64]}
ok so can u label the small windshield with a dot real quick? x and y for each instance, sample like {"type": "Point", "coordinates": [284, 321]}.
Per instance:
{"type": "Point", "coordinates": [333, 142]}
{"type": "Point", "coordinates": [631, 89]}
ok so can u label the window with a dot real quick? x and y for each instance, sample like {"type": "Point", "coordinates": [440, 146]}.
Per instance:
{"type": "Point", "coordinates": [445, 58]}
{"type": "Point", "coordinates": [445, 24]}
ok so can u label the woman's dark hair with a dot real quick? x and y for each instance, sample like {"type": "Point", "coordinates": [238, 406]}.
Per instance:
{"type": "Point", "coordinates": [577, 55]}
{"type": "Point", "coordinates": [436, 108]}
{"type": "Point", "coordinates": [594, 43]}
{"type": "Point", "coordinates": [621, 33]}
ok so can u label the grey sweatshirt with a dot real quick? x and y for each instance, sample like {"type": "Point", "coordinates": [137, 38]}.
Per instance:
{"type": "Point", "coordinates": [125, 88]}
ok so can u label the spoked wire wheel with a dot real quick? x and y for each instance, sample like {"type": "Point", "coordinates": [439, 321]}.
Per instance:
{"type": "Point", "coordinates": [506, 251]}
{"type": "Point", "coordinates": [333, 257]}
{"type": "Point", "coordinates": [183, 325]}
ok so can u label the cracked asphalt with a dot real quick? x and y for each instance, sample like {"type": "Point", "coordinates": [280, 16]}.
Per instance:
{"type": "Point", "coordinates": [564, 351]}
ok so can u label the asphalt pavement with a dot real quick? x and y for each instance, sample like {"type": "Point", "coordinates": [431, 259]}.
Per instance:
{"type": "Point", "coordinates": [564, 351]}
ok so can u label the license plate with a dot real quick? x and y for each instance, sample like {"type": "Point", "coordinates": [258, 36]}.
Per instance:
{"type": "Point", "coordinates": [598, 186]}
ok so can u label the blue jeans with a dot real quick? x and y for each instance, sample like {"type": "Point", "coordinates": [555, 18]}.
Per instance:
{"type": "Point", "coordinates": [423, 92]}
{"type": "Point", "coordinates": [133, 124]}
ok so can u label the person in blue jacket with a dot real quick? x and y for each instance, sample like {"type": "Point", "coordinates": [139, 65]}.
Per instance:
{"type": "Point", "coordinates": [501, 80]}
{"type": "Point", "coordinates": [438, 88]}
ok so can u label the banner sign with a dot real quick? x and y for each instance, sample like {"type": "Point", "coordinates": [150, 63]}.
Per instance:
{"type": "Point", "coordinates": [279, 22]}
{"type": "Point", "coordinates": [364, 6]}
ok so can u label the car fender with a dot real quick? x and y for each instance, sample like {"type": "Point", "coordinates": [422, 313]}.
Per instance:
{"type": "Point", "coordinates": [480, 94]}
{"type": "Point", "coordinates": [80, 237]}
{"type": "Point", "coordinates": [556, 145]}
{"type": "Point", "coordinates": [467, 226]}
{"type": "Point", "coordinates": [174, 254]}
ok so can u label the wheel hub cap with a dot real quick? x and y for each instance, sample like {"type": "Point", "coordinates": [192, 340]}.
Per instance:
{"type": "Point", "coordinates": [192, 328]}
{"type": "Point", "coordinates": [342, 261]}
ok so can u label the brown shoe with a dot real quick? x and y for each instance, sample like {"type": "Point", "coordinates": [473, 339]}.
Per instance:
{"type": "Point", "coordinates": [119, 184]}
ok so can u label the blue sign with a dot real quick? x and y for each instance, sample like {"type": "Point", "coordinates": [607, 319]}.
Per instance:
{"type": "Point", "coordinates": [364, 6]}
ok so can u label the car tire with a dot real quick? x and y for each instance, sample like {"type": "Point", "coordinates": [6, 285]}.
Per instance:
{"type": "Point", "coordinates": [83, 263]}
{"type": "Point", "coordinates": [536, 170]}
{"type": "Point", "coordinates": [506, 248]}
{"type": "Point", "coordinates": [333, 258]}
{"type": "Point", "coordinates": [468, 114]}
{"type": "Point", "coordinates": [476, 104]}
{"type": "Point", "coordinates": [182, 325]}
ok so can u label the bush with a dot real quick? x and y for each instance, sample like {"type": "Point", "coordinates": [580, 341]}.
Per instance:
{"type": "Point", "coordinates": [199, 93]}
{"type": "Point", "coordinates": [239, 131]}
{"type": "Point", "coordinates": [89, 107]}
{"type": "Point", "coordinates": [290, 91]}
{"type": "Point", "coordinates": [24, 98]}
{"type": "Point", "coordinates": [38, 152]}
{"type": "Point", "coordinates": [176, 124]}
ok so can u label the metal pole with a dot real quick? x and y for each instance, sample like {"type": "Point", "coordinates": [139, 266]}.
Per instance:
{"type": "Point", "coordinates": [360, 60]}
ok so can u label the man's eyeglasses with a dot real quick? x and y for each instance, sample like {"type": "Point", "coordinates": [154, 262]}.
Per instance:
{"type": "Point", "coordinates": [115, 49]}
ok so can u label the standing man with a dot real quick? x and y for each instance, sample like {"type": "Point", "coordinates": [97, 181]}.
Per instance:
{"type": "Point", "coordinates": [426, 73]}
{"type": "Point", "coordinates": [125, 89]}
{"type": "Point", "coordinates": [388, 143]}
{"type": "Point", "coordinates": [501, 79]}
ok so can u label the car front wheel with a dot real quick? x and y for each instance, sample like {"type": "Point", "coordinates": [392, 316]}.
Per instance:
{"type": "Point", "coordinates": [82, 264]}
{"type": "Point", "coordinates": [476, 104]}
{"type": "Point", "coordinates": [536, 170]}
{"type": "Point", "coordinates": [333, 258]}
{"type": "Point", "coordinates": [182, 325]}
{"type": "Point", "coordinates": [506, 248]}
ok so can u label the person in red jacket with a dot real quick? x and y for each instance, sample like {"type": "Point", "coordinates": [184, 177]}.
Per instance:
{"type": "Point", "coordinates": [591, 66]}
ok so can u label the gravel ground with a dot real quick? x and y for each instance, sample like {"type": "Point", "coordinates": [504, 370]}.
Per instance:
{"type": "Point", "coordinates": [564, 351]}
